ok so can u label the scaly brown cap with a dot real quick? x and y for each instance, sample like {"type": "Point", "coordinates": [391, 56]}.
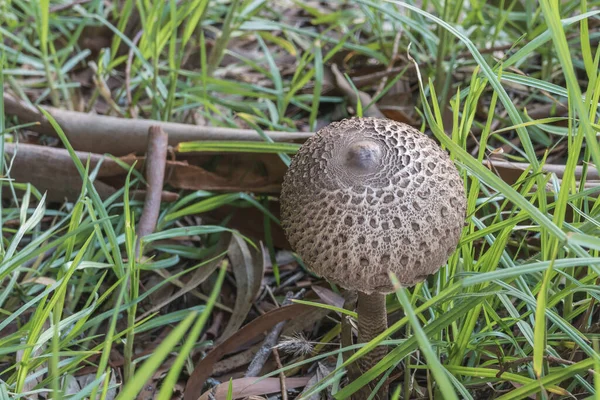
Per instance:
{"type": "Point", "coordinates": [365, 196]}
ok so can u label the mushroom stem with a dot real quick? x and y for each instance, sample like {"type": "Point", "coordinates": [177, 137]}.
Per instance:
{"type": "Point", "coordinates": [372, 321]}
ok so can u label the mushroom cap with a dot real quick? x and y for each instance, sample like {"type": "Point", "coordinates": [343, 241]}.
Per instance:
{"type": "Point", "coordinates": [368, 196]}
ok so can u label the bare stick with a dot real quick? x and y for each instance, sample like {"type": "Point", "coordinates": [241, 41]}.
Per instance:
{"type": "Point", "coordinates": [121, 136]}
{"type": "Point", "coordinates": [156, 158]}
{"type": "Point", "coordinates": [54, 172]}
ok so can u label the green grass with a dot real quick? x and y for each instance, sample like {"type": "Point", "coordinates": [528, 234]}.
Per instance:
{"type": "Point", "coordinates": [513, 313]}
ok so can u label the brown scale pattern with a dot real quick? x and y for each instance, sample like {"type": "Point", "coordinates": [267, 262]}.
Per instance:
{"type": "Point", "coordinates": [365, 196]}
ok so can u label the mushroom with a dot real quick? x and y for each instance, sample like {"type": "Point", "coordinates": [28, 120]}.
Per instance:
{"type": "Point", "coordinates": [364, 197]}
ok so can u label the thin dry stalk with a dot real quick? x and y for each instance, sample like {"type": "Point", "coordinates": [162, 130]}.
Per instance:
{"type": "Point", "coordinates": [284, 395]}
{"type": "Point", "coordinates": [559, 170]}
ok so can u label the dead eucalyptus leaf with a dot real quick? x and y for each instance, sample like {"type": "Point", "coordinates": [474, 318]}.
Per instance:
{"type": "Point", "coordinates": [353, 96]}
{"type": "Point", "coordinates": [248, 267]}
{"type": "Point", "coordinates": [244, 387]}
{"type": "Point", "coordinates": [241, 337]}
{"type": "Point", "coordinates": [315, 315]}
{"type": "Point", "coordinates": [321, 372]}
{"type": "Point", "coordinates": [329, 296]}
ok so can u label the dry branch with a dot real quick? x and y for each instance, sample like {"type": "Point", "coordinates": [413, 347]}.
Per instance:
{"type": "Point", "coordinates": [121, 136]}
{"type": "Point", "coordinates": [156, 159]}
{"type": "Point", "coordinates": [52, 170]}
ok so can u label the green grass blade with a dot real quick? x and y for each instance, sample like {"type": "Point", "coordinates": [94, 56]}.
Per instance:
{"type": "Point", "coordinates": [433, 362]}
{"type": "Point", "coordinates": [144, 373]}
{"type": "Point", "coordinates": [170, 380]}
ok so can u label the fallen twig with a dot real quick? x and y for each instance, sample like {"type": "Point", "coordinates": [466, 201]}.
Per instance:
{"type": "Point", "coordinates": [52, 170]}
{"type": "Point", "coordinates": [284, 395]}
{"type": "Point", "coordinates": [121, 136]}
{"type": "Point", "coordinates": [156, 159]}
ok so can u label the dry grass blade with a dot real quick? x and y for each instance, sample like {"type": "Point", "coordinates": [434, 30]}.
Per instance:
{"type": "Point", "coordinates": [248, 268]}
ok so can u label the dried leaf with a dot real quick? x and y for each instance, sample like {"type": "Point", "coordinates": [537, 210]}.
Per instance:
{"type": "Point", "coordinates": [243, 336]}
{"type": "Point", "coordinates": [250, 222]}
{"type": "Point", "coordinates": [329, 296]}
{"type": "Point", "coordinates": [316, 314]}
{"type": "Point", "coordinates": [182, 175]}
{"type": "Point", "coordinates": [322, 371]}
{"type": "Point", "coordinates": [244, 387]}
{"type": "Point", "coordinates": [248, 267]}
{"type": "Point", "coordinates": [76, 383]}
{"type": "Point", "coordinates": [349, 92]}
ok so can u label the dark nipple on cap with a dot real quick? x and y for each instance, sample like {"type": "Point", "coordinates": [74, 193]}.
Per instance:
{"type": "Point", "coordinates": [364, 156]}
